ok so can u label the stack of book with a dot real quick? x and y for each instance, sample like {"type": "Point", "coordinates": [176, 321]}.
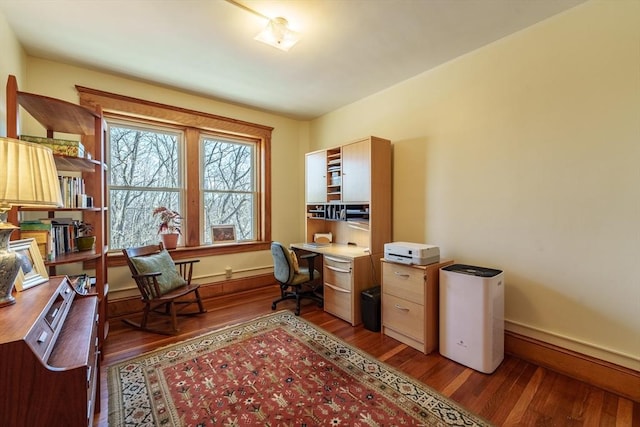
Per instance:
{"type": "Point", "coordinates": [54, 236]}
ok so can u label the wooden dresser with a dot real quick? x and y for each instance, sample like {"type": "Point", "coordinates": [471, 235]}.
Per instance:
{"type": "Point", "coordinates": [410, 303]}
{"type": "Point", "coordinates": [49, 357]}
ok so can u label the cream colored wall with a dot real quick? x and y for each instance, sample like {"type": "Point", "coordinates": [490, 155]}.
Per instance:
{"type": "Point", "coordinates": [524, 155]}
{"type": "Point", "coordinates": [12, 61]}
{"type": "Point", "coordinates": [289, 143]}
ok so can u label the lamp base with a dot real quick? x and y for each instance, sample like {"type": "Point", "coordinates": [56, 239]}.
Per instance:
{"type": "Point", "coordinates": [9, 265]}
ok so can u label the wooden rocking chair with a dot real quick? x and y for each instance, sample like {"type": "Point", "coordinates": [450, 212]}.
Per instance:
{"type": "Point", "coordinates": [165, 286]}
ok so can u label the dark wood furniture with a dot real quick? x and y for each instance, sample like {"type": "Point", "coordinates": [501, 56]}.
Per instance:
{"type": "Point", "coordinates": [59, 116]}
{"type": "Point", "coordinates": [171, 303]}
{"type": "Point", "coordinates": [49, 364]}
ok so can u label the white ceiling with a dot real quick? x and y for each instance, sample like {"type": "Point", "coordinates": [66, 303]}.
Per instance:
{"type": "Point", "coordinates": [350, 48]}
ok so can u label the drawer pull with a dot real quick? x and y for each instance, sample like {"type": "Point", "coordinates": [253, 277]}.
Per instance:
{"type": "Point", "coordinates": [338, 270]}
{"type": "Point", "coordinates": [43, 337]}
{"type": "Point", "coordinates": [343, 261]}
{"type": "Point", "coordinates": [399, 307]}
{"type": "Point", "coordinates": [337, 289]}
{"type": "Point", "coordinates": [397, 273]}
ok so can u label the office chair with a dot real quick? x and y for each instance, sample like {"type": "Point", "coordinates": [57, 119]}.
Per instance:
{"type": "Point", "coordinates": [294, 279]}
{"type": "Point", "coordinates": [165, 286]}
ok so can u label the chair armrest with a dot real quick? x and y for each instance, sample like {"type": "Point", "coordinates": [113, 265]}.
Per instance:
{"type": "Point", "coordinates": [310, 258]}
{"type": "Point", "coordinates": [185, 268]}
{"type": "Point", "coordinates": [187, 261]}
{"type": "Point", "coordinates": [148, 285]}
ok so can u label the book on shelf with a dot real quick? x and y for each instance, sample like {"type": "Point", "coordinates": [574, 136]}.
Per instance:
{"type": "Point", "coordinates": [54, 236]}
{"type": "Point", "coordinates": [72, 189]}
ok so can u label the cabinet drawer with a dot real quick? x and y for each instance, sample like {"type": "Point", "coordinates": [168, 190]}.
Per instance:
{"type": "Point", "coordinates": [403, 316]}
{"type": "Point", "coordinates": [338, 272]}
{"type": "Point", "coordinates": [404, 282]}
{"type": "Point", "coordinates": [337, 301]}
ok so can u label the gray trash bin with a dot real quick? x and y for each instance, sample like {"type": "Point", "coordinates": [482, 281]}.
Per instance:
{"type": "Point", "coordinates": [370, 306]}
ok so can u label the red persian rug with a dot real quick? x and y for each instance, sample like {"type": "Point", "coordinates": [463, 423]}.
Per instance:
{"type": "Point", "coordinates": [276, 370]}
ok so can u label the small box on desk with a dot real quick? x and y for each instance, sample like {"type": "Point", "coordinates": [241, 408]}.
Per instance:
{"type": "Point", "coordinates": [59, 146]}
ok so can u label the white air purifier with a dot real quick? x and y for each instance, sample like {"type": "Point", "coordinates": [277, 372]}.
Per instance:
{"type": "Point", "coordinates": [472, 316]}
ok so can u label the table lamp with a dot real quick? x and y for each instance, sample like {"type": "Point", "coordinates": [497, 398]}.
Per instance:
{"type": "Point", "coordinates": [28, 177]}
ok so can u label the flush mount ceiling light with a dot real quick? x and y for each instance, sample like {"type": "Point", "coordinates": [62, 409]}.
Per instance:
{"type": "Point", "coordinates": [277, 32]}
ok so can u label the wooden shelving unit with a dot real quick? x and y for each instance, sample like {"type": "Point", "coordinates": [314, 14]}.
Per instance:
{"type": "Point", "coordinates": [59, 116]}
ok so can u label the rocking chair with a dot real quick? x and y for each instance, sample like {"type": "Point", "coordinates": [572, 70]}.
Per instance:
{"type": "Point", "coordinates": [165, 286]}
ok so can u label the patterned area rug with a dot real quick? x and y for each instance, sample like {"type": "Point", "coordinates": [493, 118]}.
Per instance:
{"type": "Point", "coordinates": [276, 370]}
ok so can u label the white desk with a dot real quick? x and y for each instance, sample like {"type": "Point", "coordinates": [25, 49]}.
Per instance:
{"type": "Point", "coordinates": [336, 249]}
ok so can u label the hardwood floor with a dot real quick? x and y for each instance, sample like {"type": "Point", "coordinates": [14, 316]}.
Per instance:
{"type": "Point", "coordinates": [516, 394]}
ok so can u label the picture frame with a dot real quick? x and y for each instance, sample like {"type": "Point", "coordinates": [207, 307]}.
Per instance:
{"type": "Point", "coordinates": [33, 271]}
{"type": "Point", "coordinates": [223, 233]}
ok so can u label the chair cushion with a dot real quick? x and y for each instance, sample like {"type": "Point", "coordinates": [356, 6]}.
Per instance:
{"type": "Point", "coordinates": [294, 261]}
{"type": "Point", "coordinates": [160, 263]}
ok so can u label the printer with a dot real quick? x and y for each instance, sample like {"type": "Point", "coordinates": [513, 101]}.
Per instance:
{"type": "Point", "coordinates": [411, 253]}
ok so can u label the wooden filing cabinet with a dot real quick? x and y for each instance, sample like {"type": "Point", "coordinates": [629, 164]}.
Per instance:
{"type": "Point", "coordinates": [344, 279]}
{"type": "Point", "coordinates": [410, 303]}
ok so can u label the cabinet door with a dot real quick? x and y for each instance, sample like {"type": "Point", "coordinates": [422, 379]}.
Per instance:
{"type": "Point", "coordinates": [316, 177]}
{"type": "Point", "coordinates": [356, 172]}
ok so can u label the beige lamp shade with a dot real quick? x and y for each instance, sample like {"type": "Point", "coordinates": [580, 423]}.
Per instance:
{"type": "Point", "coordinates": [28, 175]}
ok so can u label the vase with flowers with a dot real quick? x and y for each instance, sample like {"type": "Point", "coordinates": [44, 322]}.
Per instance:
{"type": "Point", "coordinates": [86, 238]}
{"type": "Point", "coordinates": [169, 227]}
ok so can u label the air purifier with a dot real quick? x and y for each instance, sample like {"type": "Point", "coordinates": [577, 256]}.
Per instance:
{"type": "Point", "coordinates": [472, 316]}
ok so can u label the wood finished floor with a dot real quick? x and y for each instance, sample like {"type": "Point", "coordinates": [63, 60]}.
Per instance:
{"type": "Point", "coordinates": [516, 394]}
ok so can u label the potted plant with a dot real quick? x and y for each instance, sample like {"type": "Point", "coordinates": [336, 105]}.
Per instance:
{"type": "Point", "coordinates": [86, 238]}
{"type": "Point", "coordinates": [169, 227]}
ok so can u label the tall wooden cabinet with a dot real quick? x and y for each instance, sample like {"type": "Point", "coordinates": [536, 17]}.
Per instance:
{"type": "Point", "coordinates": [349, 195]}
{"type": "Point", "coordinates": [58, 116]}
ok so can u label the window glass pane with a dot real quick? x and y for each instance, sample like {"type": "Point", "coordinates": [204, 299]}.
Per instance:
{"type": "Point", "coordinates": [228, 165]}
{"type": "Point", "coordinates": [143, 158]}
{"type": "Point", "coordinates": [230, 208]}
{"type": "Point", "coordinates": [144, 173]}
{"type": "Point", "coordinates": [131, 216]}
{"type": "Point", "coordinates": [229, 186]}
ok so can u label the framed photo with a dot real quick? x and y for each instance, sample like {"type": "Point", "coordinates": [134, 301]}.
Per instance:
{"type": "Point", "coordinates": [223, 233]}
{"type": "Point", "coordinates": [32, 269]}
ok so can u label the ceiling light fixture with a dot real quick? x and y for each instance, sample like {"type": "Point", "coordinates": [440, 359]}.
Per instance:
{"type": "Point", "coordinates": [277, 32]}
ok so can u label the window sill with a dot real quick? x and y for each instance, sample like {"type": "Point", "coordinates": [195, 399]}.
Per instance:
{"type": "Point", "coordinates": [116, 258]}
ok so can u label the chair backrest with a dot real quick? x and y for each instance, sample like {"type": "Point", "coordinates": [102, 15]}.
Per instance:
{"type": "Point", "coordinates": [140, 251]}
{"type": "Point", "coordinates": [282, 265]}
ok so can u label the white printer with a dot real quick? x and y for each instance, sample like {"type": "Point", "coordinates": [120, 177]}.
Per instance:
{"type": "Point", "coordinates": [411, 253]}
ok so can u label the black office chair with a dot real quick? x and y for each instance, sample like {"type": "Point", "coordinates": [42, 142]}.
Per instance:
{"type": "Point", "coordinates": [295, 282]}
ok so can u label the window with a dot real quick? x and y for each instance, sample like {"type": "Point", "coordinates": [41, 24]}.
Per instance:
{"type": "Point", "coordinates": [214, 170]}
{"type": "Point", "coordinates": [228, 183]}
{"type": "Point", "coordinates": [145, 172]}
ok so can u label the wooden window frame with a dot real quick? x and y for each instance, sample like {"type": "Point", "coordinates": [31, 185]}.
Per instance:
{"type": "Point", "coordinates": [194, 122]}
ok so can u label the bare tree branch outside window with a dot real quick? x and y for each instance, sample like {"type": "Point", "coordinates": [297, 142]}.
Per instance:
{"type": "Point", "coordinates": [229, 186]}
{"type": "Point", "coordinates": [144, 173]}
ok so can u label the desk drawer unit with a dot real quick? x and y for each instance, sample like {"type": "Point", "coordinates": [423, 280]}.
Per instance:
{"type": "Point", "coordinates": [338, 287]}
{"type": "Point", "coordinates": [410, 303]}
